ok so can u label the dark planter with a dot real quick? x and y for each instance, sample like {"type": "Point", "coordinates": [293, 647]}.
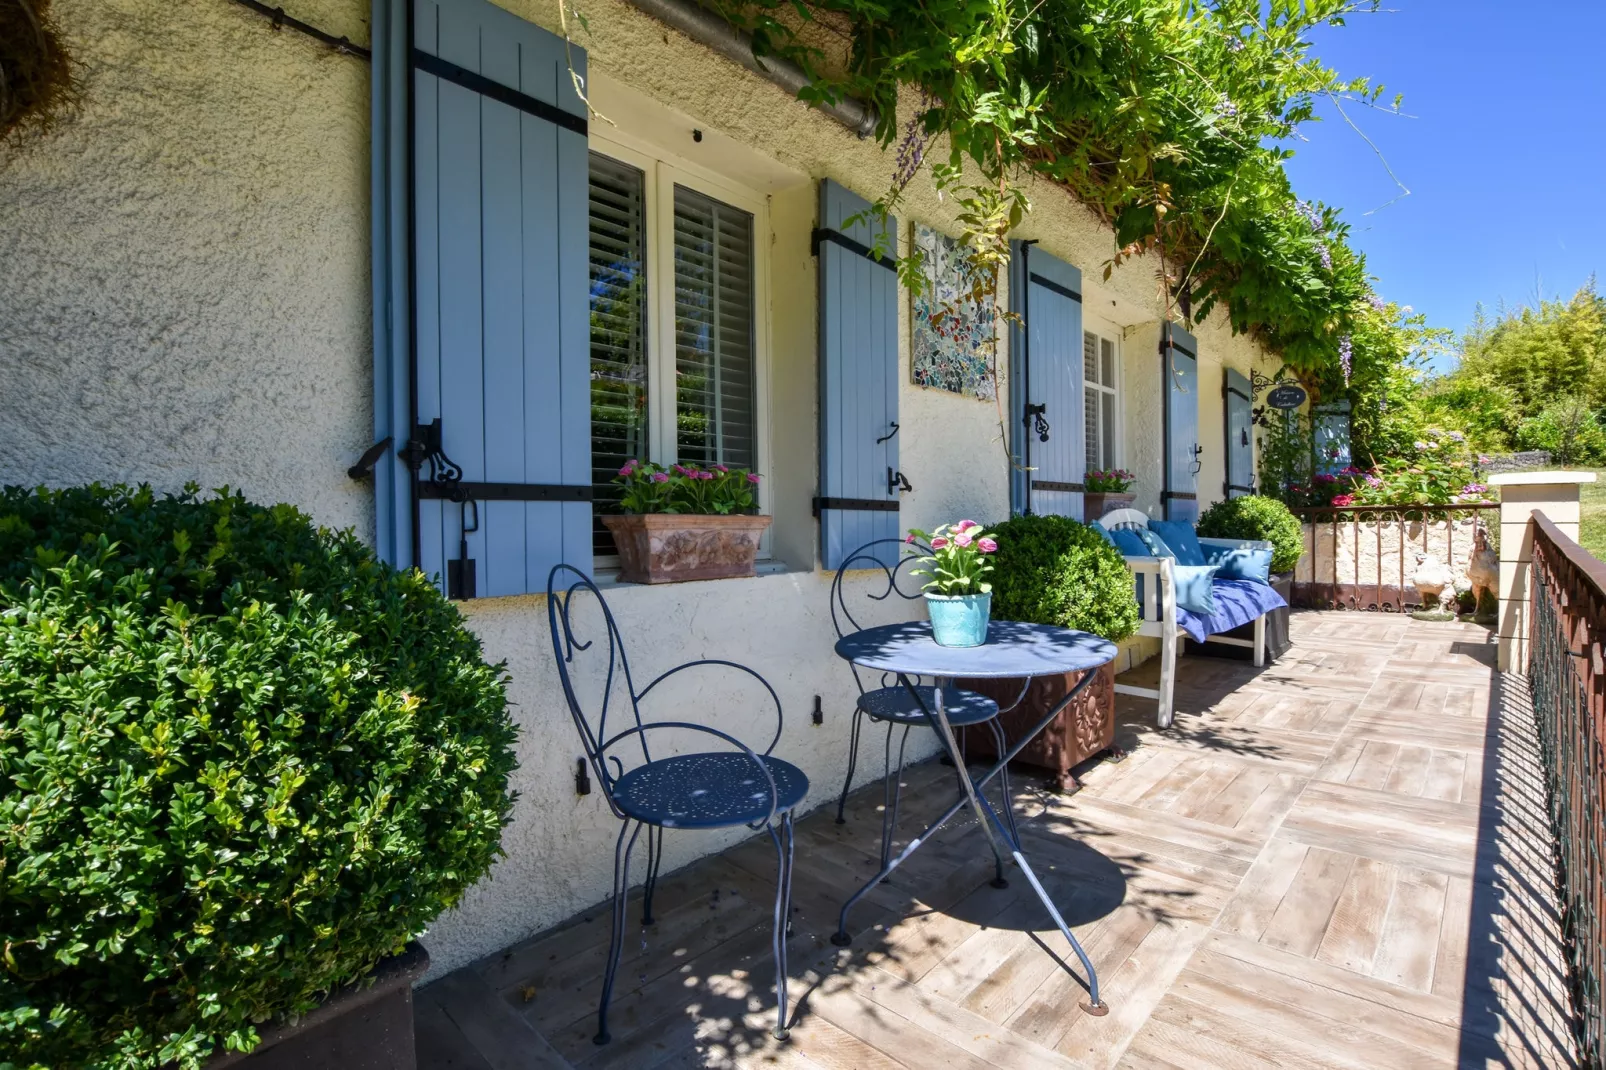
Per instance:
{"type": "Point", "coordinates": [1083, 729]}
{"type": "Point", "coordinates": [675, 547]}
{"type": "Point", "coordinates": [1277, 641]}
{"type": "Point", "coordinates": [356, 1028]}
{"type": "Point", "coordinates": [1095, 503]}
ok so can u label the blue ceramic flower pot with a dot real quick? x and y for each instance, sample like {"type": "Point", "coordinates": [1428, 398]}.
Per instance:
{"type": "Point", "coordinates": [959, 619]}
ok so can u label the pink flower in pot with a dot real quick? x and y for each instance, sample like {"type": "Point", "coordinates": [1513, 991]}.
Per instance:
{"type": "Point", "coordinates": [986, 546]}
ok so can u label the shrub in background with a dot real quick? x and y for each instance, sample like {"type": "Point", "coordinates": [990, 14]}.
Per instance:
{"type": "Point", "coordinates": [1569, 429]}
{"type": "Point", "coordinates": [1256, 517]}
{"type": "Point", "coordinates": [1053, 570]}
{"type": "Point", "coordinates": [241, 760]}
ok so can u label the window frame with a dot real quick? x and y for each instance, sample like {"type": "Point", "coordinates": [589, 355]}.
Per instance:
{"type": "Point", "coordinates": [1108, 332]}
{"type": "Point", "coordinates": [662, 172]}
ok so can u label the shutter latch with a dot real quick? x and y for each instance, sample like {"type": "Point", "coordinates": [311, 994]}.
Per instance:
{"type": "Point", "coordinates": [425, 446]}
{"type": "Point", "coordinates": [460, 574]}
{"type": "Point", "coordinates": [897, 481]}
{"type": "Point", "coordinates": [1037, 420]}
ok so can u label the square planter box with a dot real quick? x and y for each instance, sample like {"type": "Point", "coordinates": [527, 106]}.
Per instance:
{"type": "Point", "coordinates": [366, 1026]}
{"type": "Point", "coordinates": [1082, 729]}
{"type": "Point", "coordinates": [1096, 503]}
{"type": "Point", "coordinates": [672, 548]}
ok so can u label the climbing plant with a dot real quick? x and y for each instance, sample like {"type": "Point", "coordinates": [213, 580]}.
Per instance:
{"type": "Point", "coordinates": [1170, 120]}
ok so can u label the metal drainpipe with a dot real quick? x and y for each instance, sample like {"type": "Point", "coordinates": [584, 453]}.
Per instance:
{"type": "Point", "coordinates": [704, 26]}
{"type": "Point", "coordinates": [1026, 366]}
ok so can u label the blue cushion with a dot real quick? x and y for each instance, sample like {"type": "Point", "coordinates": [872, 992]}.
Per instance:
{"type": "Point", "coordinates": [1237, 603]}
{"type": "Point", "coordinates": [1128, 543]}
{"type": "Point", "coordinates": [1181, 538]}
{"type": "Point", "coordinates": [1096, 526]}
{"type": "Point", "coordinates": [1156, 546]}
{"type": "Point", "coordinates": [1243, 563]}
{"type": "Point", "coordinates": [1195, 588]}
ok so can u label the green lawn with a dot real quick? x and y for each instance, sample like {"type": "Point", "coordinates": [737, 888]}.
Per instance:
{"type": "Point", "coordinates": [1592, 530]}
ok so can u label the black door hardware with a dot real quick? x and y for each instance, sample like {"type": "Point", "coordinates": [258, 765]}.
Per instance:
{"type": "Point", "coordinates": [370, 457]}
{"type": "Point", "coordinates": [888, 436]}
{"type": "Point", "coordinates": [1037, 420]}
{"type": "Point", "coordinates": [460, 578]}
{"type": "Point", "coordinates": [897, 481]}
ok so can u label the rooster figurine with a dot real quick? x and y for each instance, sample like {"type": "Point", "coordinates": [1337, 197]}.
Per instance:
{"type": "Point", "coordinates": [1483, 572]}
{"type": "Point", "coordinates": [1432, 579]}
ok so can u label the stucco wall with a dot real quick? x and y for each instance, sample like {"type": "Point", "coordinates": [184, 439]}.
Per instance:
{"type": "Point", "coordinates": [184, 295]}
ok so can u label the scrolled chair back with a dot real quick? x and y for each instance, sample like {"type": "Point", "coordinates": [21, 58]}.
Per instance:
{"type": "Point", "coordinates": [568, 592]}
{"type": "Point", "coordinates": [896, 580]}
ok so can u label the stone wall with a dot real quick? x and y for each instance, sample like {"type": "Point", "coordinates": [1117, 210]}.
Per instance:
{"type": "Point", "coordinates": [1363, 558]}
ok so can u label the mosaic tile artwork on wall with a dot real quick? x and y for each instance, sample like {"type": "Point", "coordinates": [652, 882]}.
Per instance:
{"type": "Point", "coordinates": [952, 327]}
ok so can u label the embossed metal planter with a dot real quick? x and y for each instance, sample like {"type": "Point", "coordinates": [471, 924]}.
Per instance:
{"type": "Point", "coordinates": [673, 548]}
{"type": "Point", "coordinates": [1081, 730]}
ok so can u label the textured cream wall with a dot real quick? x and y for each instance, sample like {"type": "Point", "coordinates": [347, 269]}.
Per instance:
{"type": "Point", "coordinates": [184, 268]}
{"type": "Point", "coordinates": [184, 294]}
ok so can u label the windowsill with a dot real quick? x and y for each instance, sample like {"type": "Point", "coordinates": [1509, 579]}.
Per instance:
{"type": "Point", "coordinates": [608, 578]}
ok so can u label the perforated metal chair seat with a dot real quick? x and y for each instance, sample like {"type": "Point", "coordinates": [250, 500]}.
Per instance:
{"type": "Point", "coordinates": [897, 705]}
{"type": "Point", "coordinates": [708, 791]}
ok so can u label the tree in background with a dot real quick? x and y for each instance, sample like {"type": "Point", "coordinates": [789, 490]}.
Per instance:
{"type": "Point", "coordinates": [1530, 361]}
{"type": "Point", "coordinates": [1569, 429]}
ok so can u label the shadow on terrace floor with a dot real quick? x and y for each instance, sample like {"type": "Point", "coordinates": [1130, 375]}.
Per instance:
{"type": "Point", "coordinates": [1322, 864]}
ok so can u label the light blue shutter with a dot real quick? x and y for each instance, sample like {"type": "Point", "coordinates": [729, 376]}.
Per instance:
{"type": "Point", "coordinates": [858, 501]}
{"type": "Point", "coordinates": [1330, 429]}
{"type": "Point", "coordinates": [1046, 293]}
{"type": "Point", "coordinates": [501, 322]}
{"type": "Point", "coordinates": [1239, 403]}
{"type": "Point", "coordinates": [1180, 356]}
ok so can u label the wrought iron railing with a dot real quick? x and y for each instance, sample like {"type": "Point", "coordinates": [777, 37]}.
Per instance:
{"type": "Point", "coordinates": [1364, 556]}
{"type": "Point", "coordinates": [1567, 676]}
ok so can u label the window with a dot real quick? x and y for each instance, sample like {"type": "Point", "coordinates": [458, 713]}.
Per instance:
{"type": "Point", "coordinates": [675, 324]}
{"type": "Point", "coordinates": [1099, 370]}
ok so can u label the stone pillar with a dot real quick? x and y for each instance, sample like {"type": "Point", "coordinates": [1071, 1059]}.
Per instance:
{"type": "Point", "coordinates": [1555, 494]}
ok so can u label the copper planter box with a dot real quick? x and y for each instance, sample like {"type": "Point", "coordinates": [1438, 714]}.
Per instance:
{"type": "Point", "coordinates": [673, 547]}
{"type": "Point", "coordinates": [1096, 503]}
{"type": "Point", "coordinates": [1082, 729]}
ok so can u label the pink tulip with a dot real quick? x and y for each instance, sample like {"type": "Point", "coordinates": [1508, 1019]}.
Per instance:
{"type": "Point", "coordinates": [752, 477]}
{"type": "Point", "coordinates": [660, 477]}
{"type": "Point", "coordinates": [962, 539]}
{"type": "Point", "coordinates": [966, 525]}
{"type": "Point", "coordinates": [910, 540]}
{"type": "Point", "coordinates": [938, 543]}
{"type": "Point", "coordinates": [986, 546]}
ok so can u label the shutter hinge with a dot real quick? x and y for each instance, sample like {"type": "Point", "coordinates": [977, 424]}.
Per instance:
{"type": "Point", "coordinates": [365, 464]}
{"type": "Point", "coordinates": [897, 481]}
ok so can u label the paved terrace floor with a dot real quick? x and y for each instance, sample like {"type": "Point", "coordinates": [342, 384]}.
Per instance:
{"type": "Point", "coordinates": [1338, 861]}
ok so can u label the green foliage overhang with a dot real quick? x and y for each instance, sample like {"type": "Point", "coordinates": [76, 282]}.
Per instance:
{"type": "Point", "coordinates": [1168, 118]}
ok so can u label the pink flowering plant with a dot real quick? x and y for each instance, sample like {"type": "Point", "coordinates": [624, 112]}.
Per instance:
{"type": "Point", "coordinates": [1108, 481]}
{"type": "Point", "coordinates": [1443, 470]}
{"type": "Point", "coordinates": [959, 560]}
{"type": "Point", "coordinates": [676, 488]}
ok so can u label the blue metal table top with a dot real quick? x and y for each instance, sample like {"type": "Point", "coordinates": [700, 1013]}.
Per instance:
{"type": "Point", "coordinates": [1011, 649]}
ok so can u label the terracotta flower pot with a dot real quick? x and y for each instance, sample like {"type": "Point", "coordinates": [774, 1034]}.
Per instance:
{"type": "Point", "coordinates": [673, 547]}
{"type": "Point", "coordinates": [1096, 503]}
{"type": "Point", "coordinates": [367, 1026]}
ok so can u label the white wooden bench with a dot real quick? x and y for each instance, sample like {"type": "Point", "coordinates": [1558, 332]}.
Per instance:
{"type": "Point", "coordinates": [1158, 610]}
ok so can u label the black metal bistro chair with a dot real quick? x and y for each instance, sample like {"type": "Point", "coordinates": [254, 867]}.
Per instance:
{"type": "Point", "coordinates": [704, 790]}
{"type": "Point", "coordinates": [885, 701]}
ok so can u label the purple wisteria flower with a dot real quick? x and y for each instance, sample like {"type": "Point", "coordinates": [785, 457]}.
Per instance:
{"type": "Point", "coordinates": [1226, 108]}
{"type": "Point", "coordinates": [912, 149]}
{"type": "Point", "coordinates": [1310, 214]}
{"type": "Point", "coordinates": [1377, 302]}
{"type": "Point", "coordinates": [1235, 44]}
{"type": "Point", "coordinates": [1346, 355]}
{"type": "Point", "coordinates": [1327, 256]}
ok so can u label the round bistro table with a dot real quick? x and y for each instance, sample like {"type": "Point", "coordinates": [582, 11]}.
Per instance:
{"type": "Point", "coordinates": [1012, 649]}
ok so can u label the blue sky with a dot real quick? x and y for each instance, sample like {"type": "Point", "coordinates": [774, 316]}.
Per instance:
{"type": "Point", "coordinates": [1505, 158]}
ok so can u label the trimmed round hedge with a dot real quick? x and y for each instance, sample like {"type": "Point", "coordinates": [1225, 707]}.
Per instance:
{"type": "Point", "coordinates": [241, 761]}
{"type": "Point", "coordinates": [1054, 570]}
{"type": "Point", "coordinates": [1257, 517]}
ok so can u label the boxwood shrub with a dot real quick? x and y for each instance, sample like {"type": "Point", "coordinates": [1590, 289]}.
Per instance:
{"type": "Point", "coordinates": [241, 760]}
{"type": "Point", "coordinates": [1054, 570]}
{"type": "Point", "coordinates": [1257, 517]}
